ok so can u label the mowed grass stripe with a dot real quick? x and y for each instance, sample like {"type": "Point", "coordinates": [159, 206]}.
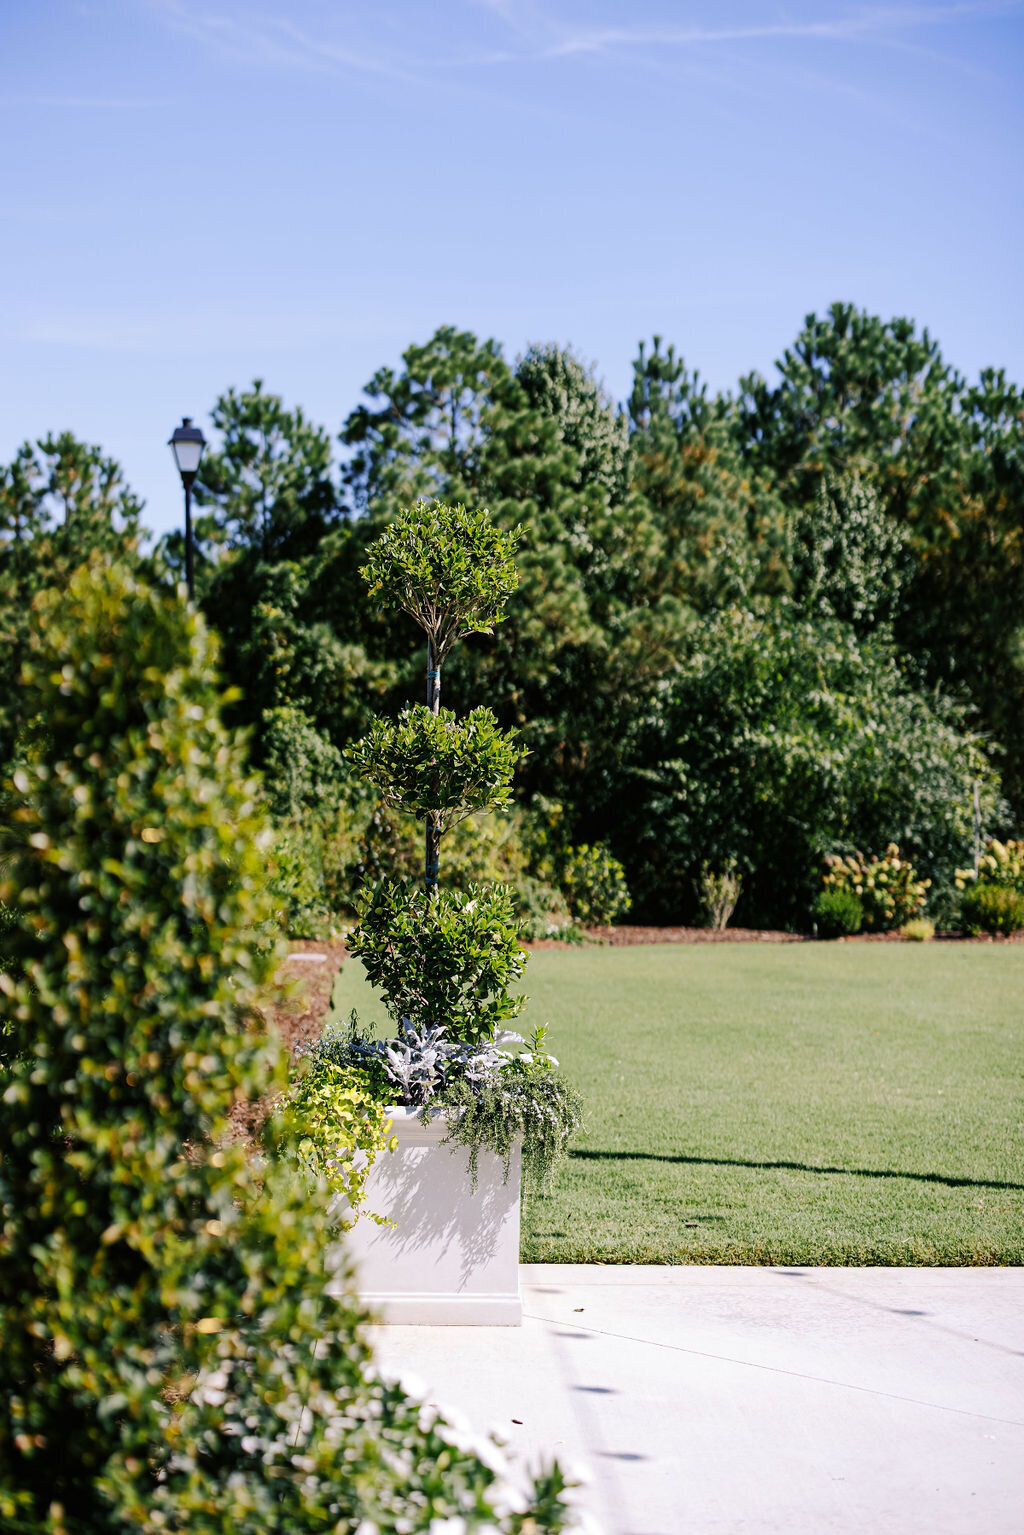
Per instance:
{"type": "Point", "coordinates": [808, 1103]}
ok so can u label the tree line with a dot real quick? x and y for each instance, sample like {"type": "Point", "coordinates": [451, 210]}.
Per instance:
{"type": "Point", "coordinates": [754, 627]}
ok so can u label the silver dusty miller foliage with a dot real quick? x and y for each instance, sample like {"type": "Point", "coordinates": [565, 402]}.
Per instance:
{"type": "Point", "coordinates": [421, 1062]}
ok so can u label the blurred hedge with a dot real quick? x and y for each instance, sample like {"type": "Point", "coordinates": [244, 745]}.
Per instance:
{"type": "Point", "coordinates": [171, 1358]}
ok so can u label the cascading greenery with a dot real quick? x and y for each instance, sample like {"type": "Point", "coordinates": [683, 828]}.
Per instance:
{"type": "Point", "coordinates": [181, 1348]}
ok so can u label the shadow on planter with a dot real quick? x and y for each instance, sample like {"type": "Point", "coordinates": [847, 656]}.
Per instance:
{"type": "Point", "coordinates": [452, 1254]}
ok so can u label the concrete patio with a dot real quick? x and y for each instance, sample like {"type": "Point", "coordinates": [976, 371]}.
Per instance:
{"type": "Point", "coordinates": [736, 1401]}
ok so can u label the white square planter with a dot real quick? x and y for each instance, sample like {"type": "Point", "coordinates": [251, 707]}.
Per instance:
{"type": "Point", "coordinates": [452, 1256]}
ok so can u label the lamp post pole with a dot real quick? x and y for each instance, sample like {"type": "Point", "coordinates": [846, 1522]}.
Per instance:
{"type": "Point", "coordinates": [187, 443]}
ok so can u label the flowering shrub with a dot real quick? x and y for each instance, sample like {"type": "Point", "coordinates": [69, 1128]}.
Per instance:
{"type": "Point", "coordinates": [1002, 863]}
{"type": "Point", "coordinates": [887, 887]}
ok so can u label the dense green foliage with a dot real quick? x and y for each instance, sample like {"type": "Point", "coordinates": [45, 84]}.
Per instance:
{"type": "Point", "coordinates": [781, 739]}
{"type": "Point", "coordinates": [61, 501]}
{"type": "Point", "coordinates": [790, 1103]}
{"type": "Point", "coordinates": [837, 913]}
{"type": "Point", "coordinates": [181, 1347]}
{"type": "Point", "coordinates": [449, 569]}
{"type": "Point", "coordinates": [594, 884]}
{"type": "Point", "coordinates": [435, 764]}
{"type": "Point", "coordinates": [866, 501]}
{"type": "Point", "coordinates": [268, 489]}
{"type": "Point", "coordinates": [987, 908]}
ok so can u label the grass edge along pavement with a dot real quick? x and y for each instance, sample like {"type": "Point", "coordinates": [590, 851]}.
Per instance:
{"type": "Point", "coordinates": [783, 1104]}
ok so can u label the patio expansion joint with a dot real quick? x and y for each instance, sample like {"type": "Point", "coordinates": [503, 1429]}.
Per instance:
{"type": "Point", "coordinates": [774, 1369]}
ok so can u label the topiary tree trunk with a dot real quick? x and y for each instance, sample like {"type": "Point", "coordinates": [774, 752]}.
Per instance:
{"type": "Point", "coordinates": [432, 824]}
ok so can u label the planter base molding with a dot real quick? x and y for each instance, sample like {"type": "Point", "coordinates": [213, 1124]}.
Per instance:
{"type": "Point", "coordinates": [435, 1310]}
{"type": "Point", "coordinates": [451, 1259]}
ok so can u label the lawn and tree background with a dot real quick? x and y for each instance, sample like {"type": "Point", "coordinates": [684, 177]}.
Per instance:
{"type": "Point", "coordinates": [764, 659]}
{"type": "Point", "coordinates": [719, 659]}
{"type": "Point", "coordinates": [754, 629]}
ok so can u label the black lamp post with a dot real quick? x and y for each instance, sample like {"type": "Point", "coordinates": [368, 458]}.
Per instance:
{"type": "Point", "coordinates": [187, 443]}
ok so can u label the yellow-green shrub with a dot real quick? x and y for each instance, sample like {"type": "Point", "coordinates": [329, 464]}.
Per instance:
{"type": "Point", "coordinates": [338, 1127]}
{"type": "Point", "coordinates": [918, 930]}
{"type": "Point", "coordinates": [988, 908]}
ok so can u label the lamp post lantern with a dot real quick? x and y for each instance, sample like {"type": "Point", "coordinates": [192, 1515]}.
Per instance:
{"type": "Point", "coordinates": [187, 443]}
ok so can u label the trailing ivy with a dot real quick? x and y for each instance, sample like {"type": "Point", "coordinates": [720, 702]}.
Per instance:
{"type": "Point", "coordinates": [528, 1101]}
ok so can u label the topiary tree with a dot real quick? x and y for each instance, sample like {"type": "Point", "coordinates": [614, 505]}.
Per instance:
{"type": "Point", "coordinates": [452, 571]}
{"type": "Point", "coordinates": [441, 958]}
{"type": "Point", "coordinates": [181, 1347]}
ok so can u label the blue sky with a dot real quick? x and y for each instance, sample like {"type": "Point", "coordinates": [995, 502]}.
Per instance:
{"type": "Point", "coordinates": [198, 192]}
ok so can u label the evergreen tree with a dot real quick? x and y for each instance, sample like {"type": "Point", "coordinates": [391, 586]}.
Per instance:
{"type": "Point", "coordinates": [267, 487]}
{"type": "Point", "coordinates": [848, 559]}
{"type": "Point", "coordinates": [422, 431]}
{"type": "Point", "coordinates": [719, 528]}
{"type": "Point", "coordinates": [874, 399]}
{"type": "Point", "coordinates": [856, 395]}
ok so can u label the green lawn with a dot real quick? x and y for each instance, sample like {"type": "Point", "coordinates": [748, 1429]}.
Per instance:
{"type": "Point", "coordinates": [805, 1103]}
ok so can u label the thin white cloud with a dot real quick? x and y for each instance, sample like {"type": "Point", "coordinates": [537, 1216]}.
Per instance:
{"type": "Point", "coordinates": [532, 33]}
{"type": "Point", "coordinates": [154, 332]}
{"type": "Point", "coordinates": [870, 21]}
{"type": "Point", "coordinates": [273, 39]}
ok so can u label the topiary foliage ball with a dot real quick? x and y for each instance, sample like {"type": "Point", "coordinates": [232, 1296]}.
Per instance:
{"type": "Point", "coordinates": [450, 568]}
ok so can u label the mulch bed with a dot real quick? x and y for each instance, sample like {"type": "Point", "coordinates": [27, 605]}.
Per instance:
{"type": "Point", "coordinates": [308, 983]}
{"type": "Point", "coordinates": [623, 935]}
{"type": "Point", "coordinates": [297, 1013]}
